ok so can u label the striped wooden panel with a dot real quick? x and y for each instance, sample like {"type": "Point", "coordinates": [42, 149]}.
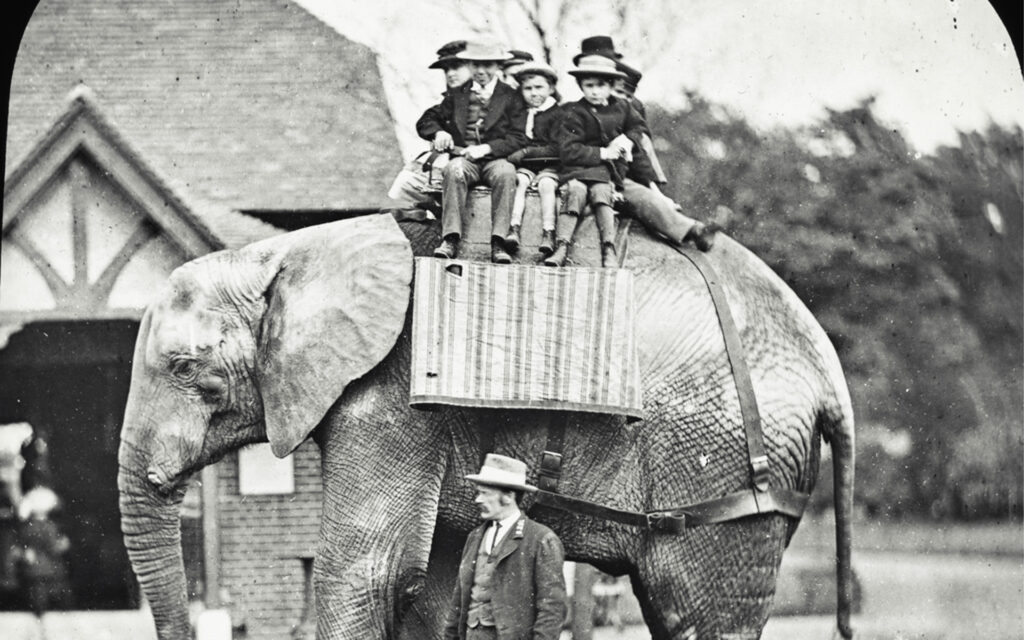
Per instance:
{"type": "Point", "coordinates": [520, 336]}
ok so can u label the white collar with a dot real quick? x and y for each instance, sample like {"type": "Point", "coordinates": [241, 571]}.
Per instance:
{"type": "Point", "coordinates": [548, 103]}
{"type": "Point", "coordinates": [487, 89]}
{"type": "Point", "coordinates": [506, 523]}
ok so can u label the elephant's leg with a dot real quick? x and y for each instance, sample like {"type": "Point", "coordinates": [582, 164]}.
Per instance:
{"type": "Point", "coordinates": [380, 505]}
{"type": "Point", "coordinates": [715, 581]}
{"type": "Point", "coordinates": [429, 612]}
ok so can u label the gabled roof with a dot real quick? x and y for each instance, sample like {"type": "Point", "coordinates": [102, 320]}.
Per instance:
{"type": "Point", "coordinates": [90, 229]}
{"type": "Point", "coordinates": [253, 105]}
{"type": "Point", "coordinates": [201, 227]}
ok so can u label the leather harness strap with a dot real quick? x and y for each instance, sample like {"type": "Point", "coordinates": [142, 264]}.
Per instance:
{"type": "Point", "coordinates": [760, 498]}
{"type": "Point", "coordinates": [551, 459]}
{"type": "Point", "coordinates": [756, 454]}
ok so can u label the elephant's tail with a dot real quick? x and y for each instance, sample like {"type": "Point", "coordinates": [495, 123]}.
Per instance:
{"type": "Point", "coordinates": [840, 435]}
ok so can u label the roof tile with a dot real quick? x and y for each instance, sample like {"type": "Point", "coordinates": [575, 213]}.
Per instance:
{"type": "Point", "coordinates": [254, 106]}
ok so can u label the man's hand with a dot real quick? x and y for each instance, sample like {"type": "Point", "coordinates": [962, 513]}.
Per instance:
{"type": "Point", "coordinates": [443, 141]}
{"type": "Point", "coordinates": [476, 151]}
{"type": "Point", "coordinates": [516, 157]}
{"type": "Point", "coordinates": [610, 153]}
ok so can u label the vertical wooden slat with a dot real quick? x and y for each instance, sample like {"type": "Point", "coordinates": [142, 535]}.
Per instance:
{"type": "Point", "coordinates": [79, 180]}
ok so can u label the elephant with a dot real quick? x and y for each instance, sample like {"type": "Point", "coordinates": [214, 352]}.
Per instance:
{"type": "Point", "coordinates": [307, 334]}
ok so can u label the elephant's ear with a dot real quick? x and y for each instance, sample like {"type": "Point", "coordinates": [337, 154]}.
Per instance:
{"type": "Point", "coordinates": [334, 310]}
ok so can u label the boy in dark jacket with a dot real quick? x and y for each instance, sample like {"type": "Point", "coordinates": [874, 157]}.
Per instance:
{"type": "Point", "coordinates": [597, 139]}
{"type": "Point", "coordinates": [486, 119]}
{"type": "Point", "coordinates": [537, 163]}
{"type": "Point", "coordinates": [643, 197]}
{"type": "Point", "coordinates": [412, 189]}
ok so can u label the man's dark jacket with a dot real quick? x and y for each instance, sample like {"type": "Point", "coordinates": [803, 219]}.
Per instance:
{"type": "Point", "coordinates": [504, 127]}
{"type": "Point", "coordinates": [527, 589]}
{"type": "Point", "coordinates": [582, 135]}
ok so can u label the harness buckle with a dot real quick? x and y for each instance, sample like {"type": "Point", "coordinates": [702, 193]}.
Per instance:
{"type": "Point", "coordinates": [760, 471]}
{"type": "Point", "coordinates": [669, 521]}
{"type": "Point", "coordinates": [550, 471]}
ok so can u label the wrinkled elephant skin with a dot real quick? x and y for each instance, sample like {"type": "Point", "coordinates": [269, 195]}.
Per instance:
{"type": "Point", "coordinates": [260, 344]}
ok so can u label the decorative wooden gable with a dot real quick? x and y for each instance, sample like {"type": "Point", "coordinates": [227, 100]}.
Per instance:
{"type": "Point", "coordinates": [89, 230]}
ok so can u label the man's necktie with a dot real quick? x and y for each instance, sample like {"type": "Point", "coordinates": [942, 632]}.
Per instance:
{"type": "Point", "coordinates": [494, 538]}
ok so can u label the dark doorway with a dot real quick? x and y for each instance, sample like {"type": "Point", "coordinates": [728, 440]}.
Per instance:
{"type": "Point", "coordinates": [69, 380]}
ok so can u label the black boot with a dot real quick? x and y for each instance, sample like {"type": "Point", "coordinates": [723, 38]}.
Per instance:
{"type": "Point", "coordinates": [703, 235]}
{"type": "Point", "coordinates": [498, 253]}
{"type": "Point", "coordinates": [608, 255]}
{"type": "Point", "coordinates": [557, 258]}
{"type": "Point", "coordinates": [449, 248]}
{"type": "Point", "coordinates": [512, 239]}
{"type": "Point", "coordinates": [547, 243]}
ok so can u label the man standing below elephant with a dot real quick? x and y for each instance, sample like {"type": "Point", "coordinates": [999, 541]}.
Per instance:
{"type": "Point", "coordinates": [486, 119]}
{"type": "Point", "coordinates": [510, 584]}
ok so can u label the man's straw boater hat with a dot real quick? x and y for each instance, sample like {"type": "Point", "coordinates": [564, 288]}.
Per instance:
{"type": "Point", "coordinates": [596, 66]}
{"type": "Point", "coordinates": [504, 472]}
{"type": "Point", "coordinates": [446, 54]}
{"type": "Point", "coordinates": [483, 52]}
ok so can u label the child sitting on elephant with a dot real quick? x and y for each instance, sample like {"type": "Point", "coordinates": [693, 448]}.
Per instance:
{"type": "Point", "coordinates": [596, 141]}
{"type": "Point", "coordinates": [537, 163]}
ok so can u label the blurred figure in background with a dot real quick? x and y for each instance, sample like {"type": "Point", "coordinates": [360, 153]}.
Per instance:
{"type": "Point", "coordinates": [42, 568]}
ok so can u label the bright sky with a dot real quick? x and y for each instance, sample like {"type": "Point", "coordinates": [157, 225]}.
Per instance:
{"type": "Point", "coordinates": [935, 66]}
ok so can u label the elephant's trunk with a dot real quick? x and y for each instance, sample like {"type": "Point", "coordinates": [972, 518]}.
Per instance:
{"type": "Point", "coordinates": [150, 522]}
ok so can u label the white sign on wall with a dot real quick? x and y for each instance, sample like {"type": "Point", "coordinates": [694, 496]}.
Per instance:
{"type": "Point", "coordinates": [260, 472]}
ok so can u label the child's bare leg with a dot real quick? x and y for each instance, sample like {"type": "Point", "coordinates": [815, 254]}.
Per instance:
{"type": "Point", "coordinates": [518, 207]}
{"type": "Point", "coordinates": [519, 200]}
{"type": "Point", "coordinates": [547, 187]}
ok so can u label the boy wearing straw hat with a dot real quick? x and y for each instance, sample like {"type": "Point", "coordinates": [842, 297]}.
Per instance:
{"type": "Point", "coordinates": [644, 199]}
{"type": "Point", "coordinates": [485, 121]}
{"type": "Point", "coordinates": [596, 141]}
{"type": "Point", "coordinates": [510, 584]}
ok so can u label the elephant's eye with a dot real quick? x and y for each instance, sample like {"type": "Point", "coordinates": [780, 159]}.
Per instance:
{"type": "Point", "coordinates": [183, 369]}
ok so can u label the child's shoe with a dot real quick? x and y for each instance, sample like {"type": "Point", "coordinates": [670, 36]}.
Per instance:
{"type": "Point", "coordinates": [703, 235]}
{"type": "Point", "coordinates": [512, 239]}
{"type": "Point", "coordinates": [547, 243]}
{"type": "Point", "coordinates": [557, 258]}
{"type": "Point", "coordinates": [498, 253]}
{"type": "Point", "coordinates": [449, 248]}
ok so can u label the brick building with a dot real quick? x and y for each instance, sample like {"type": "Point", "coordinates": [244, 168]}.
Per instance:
{"type": "Point", "coordinates": [140, 136]}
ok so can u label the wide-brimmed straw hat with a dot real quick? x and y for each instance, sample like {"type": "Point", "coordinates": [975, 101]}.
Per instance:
{"type": "Point", "coordinates": [597, 46]}
{"type": "Point", "coordinates": [535, 69]}
{"type": "Point", "coordinates": [483, 52]}
{"type": "Point", "coordinates": [446, 54]}
{"type": "Point", "coordinates": [502, 471]}
{"type": "Point", "coordinates": [595, 65]}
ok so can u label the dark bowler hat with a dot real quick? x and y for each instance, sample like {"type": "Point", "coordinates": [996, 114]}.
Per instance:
{"type": "Point", "coordinates": [632, 75]}
{"type": "Point", "coordinates": [596, 66]}
{"type": "Point", "coordinates": [446, 54]}
{"type": "Point", "coordinates": [518, 57]}
{"type": "Point", "coordinates": [597, 46]}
